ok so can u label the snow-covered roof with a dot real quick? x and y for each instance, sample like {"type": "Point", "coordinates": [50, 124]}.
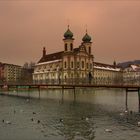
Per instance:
{"type": "Point", "coordinates": [135, 68]}
{"type": "Point", "coordinates": [103, 66]}
{"type": "Point", "coordinates": [107, 68]}
{"type": "Point", "coordinates": [49, 62]}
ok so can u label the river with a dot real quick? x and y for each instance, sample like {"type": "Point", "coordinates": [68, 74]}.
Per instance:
{"type": "Point", "coordinates": [94, 114]}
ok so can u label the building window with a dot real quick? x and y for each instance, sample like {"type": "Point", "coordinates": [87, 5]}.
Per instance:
{"type": "Point", "coordinates": [90, 66]}
{"type": "Point", "coordinates": [89, 50]}
{"type": "Point", "coordinates": [71, 46]}
{"type": "Point", "coordinates": [65, 64]}
{"type": "Point", "coordinates": [78, 65]}
{"type": "Point", "coordinates": [66, 47]}
{"type": "Point", "coordinates": [82, 75]}
{"type": "Point", "coordinates": [72, 75]}
{"type": "Point", "coordinates": [87, 65]}
{"type": "Point", "coordinates": [72, 64]}
{"type": "Point", "coordinates": [83, 64]}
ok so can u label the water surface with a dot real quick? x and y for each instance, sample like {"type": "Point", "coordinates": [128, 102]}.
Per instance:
{"type": "Point", "coordinates": [63, 117]}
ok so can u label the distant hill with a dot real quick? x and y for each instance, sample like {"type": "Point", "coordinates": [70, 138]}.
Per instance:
{"type": "Point", "coordinates": [127, 63]}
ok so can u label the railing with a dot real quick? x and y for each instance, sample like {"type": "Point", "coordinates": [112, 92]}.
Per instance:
{"type": "Point", "coordinates": [105, 81]}
{"type": "Point", "coordinates": [80, 81]}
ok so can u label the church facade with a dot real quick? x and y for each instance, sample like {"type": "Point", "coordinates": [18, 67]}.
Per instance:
{"type": "Point", "coordinates": [69, 65]}
{"type": "Point", "coordinates": [74, 65]}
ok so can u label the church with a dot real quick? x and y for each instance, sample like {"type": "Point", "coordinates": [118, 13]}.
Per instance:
{"type": "Point", "coordinates": [73, 64]}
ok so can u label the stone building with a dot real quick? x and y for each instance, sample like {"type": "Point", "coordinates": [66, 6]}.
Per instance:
{"type": "Point", "coordinates": [1, 73]}
{"type": "Point", "coordinates": [131, 74]}
{"type": "Point", "coordinates": [10, 72]}
{"type": "Point", "coordinates": [69, 65]}
{"type": "Point", "coordinates": [74, 65]}
{"type": "Point", "coordinates": [107, 74]}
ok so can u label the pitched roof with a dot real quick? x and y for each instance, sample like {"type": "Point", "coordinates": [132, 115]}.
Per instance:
{"type": "Point", "coordinates": [76, 50]}
{"type": "Point", "coordinates": [134, 68]}
{"type": "Point", "coordinates": [105, 66]}
{"type": "Point", "coordinates": [102, 64]}
{"type": "Point", "coordinates": [51, 57]}
{"type": "Point", "coordinates": [3, 64]}
{"type": "Point", "coordinates": [56, 56]}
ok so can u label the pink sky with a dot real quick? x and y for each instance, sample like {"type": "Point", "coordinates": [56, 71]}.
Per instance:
{"type": "Point", "coordinates": [26, 26]}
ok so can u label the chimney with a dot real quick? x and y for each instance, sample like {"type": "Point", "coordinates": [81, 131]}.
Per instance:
{"type": "Point", "coordinates": [44, 51]}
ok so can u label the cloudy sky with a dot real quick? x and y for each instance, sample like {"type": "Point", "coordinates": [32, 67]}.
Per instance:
{"type": "Point", "coordinates": [28, 25]}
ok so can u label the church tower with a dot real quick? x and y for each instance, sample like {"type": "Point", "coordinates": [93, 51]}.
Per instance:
{"type": "Point", "coordinates": [68, 41]}
{"type": "Point", "coordinates": [87, 42]}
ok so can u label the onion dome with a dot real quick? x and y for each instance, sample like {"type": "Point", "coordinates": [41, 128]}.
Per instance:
{"type": "Point", "coordinates": [68, 34]}
{"type": "Point", "coordinates": [86, 38]}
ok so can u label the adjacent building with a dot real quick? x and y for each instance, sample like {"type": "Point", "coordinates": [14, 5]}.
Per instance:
{"type": "Point", "coordinates": [107, 74]}
{"type": "Point", "coordinates": [10, 73]}
{"type": "Point", "coordinates": [131, 74]}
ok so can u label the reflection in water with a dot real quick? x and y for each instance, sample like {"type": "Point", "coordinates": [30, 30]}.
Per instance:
{"type": "Point", "coordinates": [76, 124]}
{"type": "Point", "coordinates": [65, 116]}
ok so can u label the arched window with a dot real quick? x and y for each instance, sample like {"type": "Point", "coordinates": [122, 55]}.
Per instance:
{"type": "Point", "coordinates": [89, 50]}
{"type": "Point", "coordinates": [66, 47]}
{"type": "Point", "coordinates": [65, 64]}
{"type": "Point", "coordinates": [91, 66]}
{"type": "Point", "coordinates": [72, 75]}
{"type": "Point", "coordinates": [71, 46]}
{"type": "Point", "coordinates": [87, 65]}
{"type": "Point", "coordinates": [78, 64]}
{"type": "Point", "coordinates": [83, 64]}
{"type": "Point", "coordinates": [71, 64]}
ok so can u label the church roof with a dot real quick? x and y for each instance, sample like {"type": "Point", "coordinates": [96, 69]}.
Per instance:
{"type": "Point", "coordinates": [68, 34]}
{"type": "Point", "coordinates": [56, 56]}
{"type": "Point", "coordinates": [51, 57]}
{"type": "Point", "coordinates": [86, 38]}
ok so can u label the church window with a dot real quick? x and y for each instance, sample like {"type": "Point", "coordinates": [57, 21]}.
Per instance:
{"type": "Point", "coordinates": [72, 64]}
{"type": "Point", "coordinates": [72, 75]}
{"type": "Point", "coordinates": [78, 65]}
{"type": "Point", "coordinates": [83, 64]}
{"type": "Point", "coordinates": [66, 47]}
{"type": "Point", "coordinates": [82, 75]}
{"type": "Point", "coordinates": [89, 50]}
{"type": "Point", "coordinates": [90, 66]}
{"type": "Point", "coordinates": [65, 64]}
{"type": "Point", "coordinates": [71, 46]}
{"type": "Point", "coordinates": [87, 65]}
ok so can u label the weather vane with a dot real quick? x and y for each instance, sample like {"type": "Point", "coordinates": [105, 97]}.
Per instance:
{"type": "Point", "coordinates": [68, 23]}
{"type": "Point", "coordinates": [86, 28]}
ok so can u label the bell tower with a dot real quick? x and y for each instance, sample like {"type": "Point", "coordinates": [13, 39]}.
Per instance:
{"type": "Point", "coordinates": [87, 42]}
{"type": "Point", "coordinates": [68, 41]}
